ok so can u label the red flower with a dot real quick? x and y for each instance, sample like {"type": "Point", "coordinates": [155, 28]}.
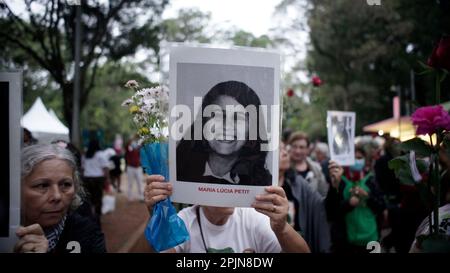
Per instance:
{"type": "Point", "coordinates": [290, 92]}
{"type": "Point", "coordinates": [430, 119]}
{"type": "Point", "coordinates": [440, 58]}
{"type": "Point", "coordinates": [316, 81]}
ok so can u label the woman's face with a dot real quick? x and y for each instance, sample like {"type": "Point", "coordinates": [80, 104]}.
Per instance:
{"type": "Point", "coordinates": [47, 193]}
{"type": "Point", "coordinates": [320, 156]}
{"type": "Point", "coordinates": [284, 158]}
{"type": "Point", "coordinates": [232, 124]}
{"type": "Point", "coordinates": [299, 150]}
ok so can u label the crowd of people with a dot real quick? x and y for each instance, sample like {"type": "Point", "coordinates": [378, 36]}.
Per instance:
{"type": "Point", "coordinates": [318, 206]}
{"type": "Point", "coordinates": [333, 208]}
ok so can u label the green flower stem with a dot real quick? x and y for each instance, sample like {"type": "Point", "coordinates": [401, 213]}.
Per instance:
{"type": "Point", "coordinates": [437, 186]}
{"type": "Point", "coordinates": [431, 170]}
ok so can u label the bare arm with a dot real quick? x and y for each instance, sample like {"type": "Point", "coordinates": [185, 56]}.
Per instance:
{"type": "Point", "coordinates": [291, 241]}
{"type": "Point", "coordinates": [336, 172]}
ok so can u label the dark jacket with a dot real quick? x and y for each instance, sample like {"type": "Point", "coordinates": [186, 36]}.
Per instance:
{"type": "Point", "coordinates": [310, 215]}
{"type": "Point", "coordinates": [81, 227]}
{"type": "Point", "coordinates": [389, 184]}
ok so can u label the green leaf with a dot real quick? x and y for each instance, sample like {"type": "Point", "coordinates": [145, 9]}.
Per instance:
{"type": "Point", "coordinates": [446, 143]}
{"type": "Point", "coordinates": [425, 66]}
{"type": "Point", "coordinates": [422, 165]}
{"type": "Point", "coordinates": [405, 177]}
{"type": "Point", "coordinates": [425, 195]}
{"type": "Point", "coordinates": [421, 238]}
{"type": "Point", "coordinates": [397, 162]}
{"type": "Point", "coordinates": [436, 243]}
{"type": "Point", "coordinates": [415, 103]}
{"type": "Point", "coordinates": [443, 76]}
{"type": "Point", "coordinates": [444, 72]}
{"type": "Point", "coordinates": [425, 72]}
{"type": "Point", "coordinates": [418, 145]}
{"type": "Point", "coordinates": [402, 170]}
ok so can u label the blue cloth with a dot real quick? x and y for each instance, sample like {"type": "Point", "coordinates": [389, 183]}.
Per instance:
{"type": "Point", "coordinates": [165, 229]}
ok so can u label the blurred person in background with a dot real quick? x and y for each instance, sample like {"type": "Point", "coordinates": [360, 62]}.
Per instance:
{"type": "Point", "coordinates": [95, 175]}
{"type": "Point", "coordinates": [321, 154]}
{"type": "Point", "coordinates": [303, 165]}
{"type": "Point", "coordinates": [357, 204]}
{"type": "Point", "coordinates": [134, 170]}
{"type": "Point", "coordinates": [116, 173]}
{"type": "Point", "coordinates": [306, 211]}
{"type": "Point", "coordinates": [28, 138]}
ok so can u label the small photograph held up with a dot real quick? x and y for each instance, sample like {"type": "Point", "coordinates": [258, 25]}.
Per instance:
{"type": "Point", "coordinates": [341, 136]}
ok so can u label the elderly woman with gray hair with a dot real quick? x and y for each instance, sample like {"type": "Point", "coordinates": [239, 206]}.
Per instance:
{"type": "Point", "coordinates": [54, 215]}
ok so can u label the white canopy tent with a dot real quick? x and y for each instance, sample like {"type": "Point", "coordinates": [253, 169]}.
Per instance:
{"type": "Point", "coordinates": [44, 126]}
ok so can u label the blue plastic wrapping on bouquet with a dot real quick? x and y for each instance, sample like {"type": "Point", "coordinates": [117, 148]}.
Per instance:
{"type": "Point", "coordinates": [155, 158]}
{"type": "Point", "coordinates": [165, 229]}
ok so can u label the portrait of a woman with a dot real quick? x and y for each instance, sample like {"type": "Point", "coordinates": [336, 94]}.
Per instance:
{"type": "Point", "coordinates": [226, 158]}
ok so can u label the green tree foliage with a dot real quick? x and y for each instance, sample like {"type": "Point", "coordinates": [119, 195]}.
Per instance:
{"type": "Point", "coordinates": [363, 53]}
{"type": "Point", "coordinates": [103, 110]}
{"type": "Point", "coordinates": [44, 35]}
{"type": "Point", "coordinates": [189, 26]}
{"type": "Point", "coordinates": [244, 38]}
{"type": "Point", "coordinates": [193, 25]}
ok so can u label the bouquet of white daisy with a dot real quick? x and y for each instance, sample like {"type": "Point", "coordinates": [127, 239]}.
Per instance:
{"type": "Point", "coordinates": [149, 108]}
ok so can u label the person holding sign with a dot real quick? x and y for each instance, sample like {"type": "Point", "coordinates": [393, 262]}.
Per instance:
{"type": "Point", "coordinates": [227, 229]}
{"type": "Point", "coordinates": [359, 201]}
{"type": "Point", "coordinates": [54, 217]}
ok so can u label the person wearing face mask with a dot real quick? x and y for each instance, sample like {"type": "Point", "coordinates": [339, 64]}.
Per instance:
{"type": "Point", "coordinates": [359, 202]}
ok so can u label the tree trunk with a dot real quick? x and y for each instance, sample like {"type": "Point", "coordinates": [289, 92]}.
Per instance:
{"type": "Point", "coordinates": [68, 104]}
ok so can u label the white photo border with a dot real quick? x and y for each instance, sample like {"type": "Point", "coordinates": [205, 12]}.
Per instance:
{"type": "Point", "coordinates": [346, 159]}
{"type": "Point", "coordinates": [218, 194]}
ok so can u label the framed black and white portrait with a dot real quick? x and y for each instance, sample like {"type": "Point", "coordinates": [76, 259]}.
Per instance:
{"type": "Point", "coordinates": [224, 124]}
{"type": "Point", "coordinates": [341, 137]}
{"type": "Point", "coordinates": [11, 112]}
